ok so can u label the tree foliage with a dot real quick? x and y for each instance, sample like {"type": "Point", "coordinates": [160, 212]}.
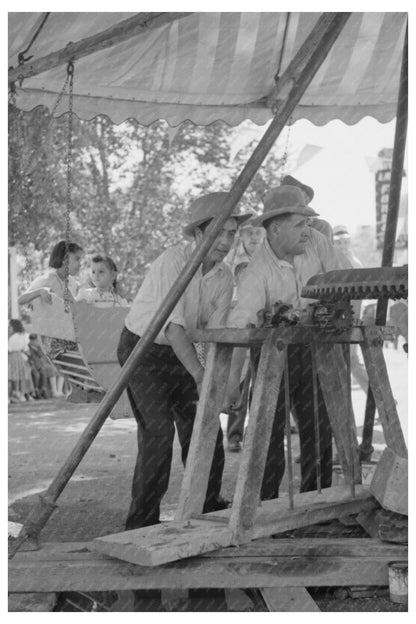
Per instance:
{"type": "Point", "coordinates": [131, 185]}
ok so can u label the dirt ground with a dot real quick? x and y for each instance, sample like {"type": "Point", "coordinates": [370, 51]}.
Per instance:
{"type": "Point", "coordinates": [94, 503]}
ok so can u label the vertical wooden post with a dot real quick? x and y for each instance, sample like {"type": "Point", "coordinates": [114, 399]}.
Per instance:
{"type": "Point", "coordinates": [204, 435]}
{"type": "Point", "coordinates": [14, 306]}
{"type": "Point", "coordinates": [372, 349]}
{"type": "Point", "coordinates": [332, 371]}
{"type": "Point", "coordinates": [289, 462]}
{"type": "Point", "coordinates": [399, 147]}
{"type": "Point", "coordinates": [316, 421]}
{"type": "Point", "coordinates": [250, 476]}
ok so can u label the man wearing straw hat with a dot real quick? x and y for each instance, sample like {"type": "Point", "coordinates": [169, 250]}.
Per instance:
{"type": "Point", "coordinates": [164, 389]}
{"type": "Point", "coordinates": [291, 253]}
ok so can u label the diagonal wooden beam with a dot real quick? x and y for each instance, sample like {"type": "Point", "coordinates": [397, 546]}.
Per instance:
{"type": "Point", "coordinates": [399, 148]}
{"type": "Point", "coordinates": [46, 505]}
{"type": "Point", "coordinates": [122, 31]}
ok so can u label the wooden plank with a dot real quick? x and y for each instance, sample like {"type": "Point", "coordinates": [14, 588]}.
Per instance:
{"type": "Point", "coordinates": [205, 431]}
{"type": "Point", "coordinates": [257, 438]}
{"type": "Point", "coordinates": [164, 542]}
{"type": "Point", "coordinates": [332, 371]}
{"type": "Point", "coordinates": [94, 572]}
{"type": "Point", "coordinates": [291, 599]}
{"type": "Point", "coordinates": [170, 541]}
{"type": "Point", "coordinates": [389, 484]}
{"type": "Point", "coordinates": [310, 508]}
{"type": "Point", "coordinates": [122, 31]}
{"type": "Point", "coordinates": [289, 335]}
{"type": "Point", "coordinates": [380, 385]}
{"type": "Point", "coordinates": [385, 525]}
{"type": "Point", "coordinates": [264, 547]}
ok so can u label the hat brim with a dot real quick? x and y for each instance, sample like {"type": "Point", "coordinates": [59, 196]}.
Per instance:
{"type": "Point", "coordinates": [278, 212]}
{"type": "Point", "coordinates": [188, 230]}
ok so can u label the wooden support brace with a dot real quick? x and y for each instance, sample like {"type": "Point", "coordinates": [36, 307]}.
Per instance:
{"type": "Point", "coordinates": [263, 563]}
{"type": "Point", "coordinates": [372, 349]}
{"type": "Point", "coordinates": [169, 541]}
{"type": "Point", "coordinates": [262, 411]}
{"type": "Point", "coordinates": [390, 482]}
{"type": "Point", "coordinates": [205, 431]}
{"type": "Point", "coordinates": [288, 599]}
{"type": "Point", "coordinates": [332, 373]}
{"type": "Point", "coordinates": [131, 27]}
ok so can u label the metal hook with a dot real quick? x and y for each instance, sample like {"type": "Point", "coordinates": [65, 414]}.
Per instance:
{"type": "Point", "coordinates": [70, 68]}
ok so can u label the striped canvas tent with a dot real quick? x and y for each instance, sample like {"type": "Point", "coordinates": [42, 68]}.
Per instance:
{"type": "Point", "coordinates": [208, 66]}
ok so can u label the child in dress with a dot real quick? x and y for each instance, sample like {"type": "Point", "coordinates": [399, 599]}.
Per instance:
{"type": "Point", "coordinates": [42, 370]}
{"type": "Point", "coordinates": [20, 374]}
{"type": "Point", "coordinates": [53, 281]}
{"type": "Point", "coordinates": [63, 255]}
{"type": "Point", "coordinates": [104, 294]}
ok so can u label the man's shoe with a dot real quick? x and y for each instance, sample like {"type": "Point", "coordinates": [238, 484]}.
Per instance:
{"type": "Point", "coordinates": [219, 504]}
{"type": "Point", "coordinates": [235, 446]}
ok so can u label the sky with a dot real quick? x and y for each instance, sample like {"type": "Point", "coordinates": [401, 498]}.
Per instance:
{"type": "Point", "coordinates": [340, 166]}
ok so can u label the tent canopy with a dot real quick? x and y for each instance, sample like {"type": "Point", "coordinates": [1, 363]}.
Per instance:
{"type": "Point", "coordinates": [209, 66]}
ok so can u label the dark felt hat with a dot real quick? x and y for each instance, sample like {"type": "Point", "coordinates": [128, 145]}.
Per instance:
{"type": "Point", "coordinates": [283, 200]}
{"type": "Point", "coordinates": [291, 181]}
{"type": "Point", "coordinates": [207, 207]}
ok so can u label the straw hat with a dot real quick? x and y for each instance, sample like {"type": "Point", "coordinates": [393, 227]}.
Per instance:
{"type": "Point", "coordinates": [283, 200]}
{"type": "Point", "coordinates": [207, 207]}
{"type": "Point", "coordinates": [291, 181]}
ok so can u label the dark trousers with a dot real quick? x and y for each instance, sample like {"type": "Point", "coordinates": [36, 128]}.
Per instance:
{"type": "Point", "coordinates": [162, 394]}
{"type": "Point", "coordinates": [301, 392]}
{"type": "Point", "coordinates": [235, 425]}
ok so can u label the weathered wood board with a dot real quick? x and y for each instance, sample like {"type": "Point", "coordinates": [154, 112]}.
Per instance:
{"type": "Point", "coordinates": [262, 563]}
{"type": "Point", "coordinates": [293, 599]}
{"type": "Point", "coordinates": [170, 541]}
{"type": "Point", "coordinates": [390, 482]}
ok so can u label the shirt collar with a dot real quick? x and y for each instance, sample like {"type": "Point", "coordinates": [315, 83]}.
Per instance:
{"type": "Point", "coordinates": [269, 252]}
{"type": "Point", "coordinates": [219, 267]}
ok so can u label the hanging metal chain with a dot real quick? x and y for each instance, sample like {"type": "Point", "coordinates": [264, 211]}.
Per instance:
{"type": "Point", "coordinates": [285, 153]}
{"type": "Point", "coordinates": [70, 77]}
{"type": "Point", "coordinates": [26, 168]}
{"type": "Point", "coordinates": [16, 132]}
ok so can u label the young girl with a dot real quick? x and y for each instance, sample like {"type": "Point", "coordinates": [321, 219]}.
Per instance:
{"type": "Point", "coordinates": [20, 374]}
{"type": "Point", "coordinates": [104, 277]}
{"type": "Point", "coordinates": [53, 281]}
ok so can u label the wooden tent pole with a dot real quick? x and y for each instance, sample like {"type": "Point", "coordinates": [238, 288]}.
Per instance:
{"type": "Point", "coordinates": [328, 26]}
{"type": "Point", "coordinates": [366, 448]}
{"type": "Point", "coordinates": [122, 31]}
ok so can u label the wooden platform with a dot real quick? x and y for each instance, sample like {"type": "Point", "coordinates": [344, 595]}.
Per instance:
{"type": "Point", "coordinates": [263, 563]}
{"type": "Point", "coordinates": [169, 541]}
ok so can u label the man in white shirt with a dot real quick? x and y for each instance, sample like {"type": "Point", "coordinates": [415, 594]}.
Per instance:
{"type": "Point", "coordinates": [291, 253]}
{"type": "Point", "coordinates": [165, 386]}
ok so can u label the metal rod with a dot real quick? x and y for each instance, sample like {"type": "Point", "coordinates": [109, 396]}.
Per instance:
{"type": "Point", "coordinates": [351, 476]}
{"type": "Point", "coordinates": [366, 448]}
{"type": "Point", "coordinates": [329, 31]}
{"type": "Point", "coordinates": [288, 434]}
{"type": "Point", "coordinates": [316, 422]}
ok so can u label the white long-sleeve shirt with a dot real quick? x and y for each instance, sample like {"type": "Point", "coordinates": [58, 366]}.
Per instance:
{"type": "Point", "coordinates": [269, 279]}
{"type": "Point", "coordinates": [205, 302]}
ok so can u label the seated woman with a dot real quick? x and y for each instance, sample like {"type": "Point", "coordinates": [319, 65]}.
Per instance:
{"type": "Point", "coordinates": [63, 255]}
{"type": "Point", "coordinates": [104, 293]}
